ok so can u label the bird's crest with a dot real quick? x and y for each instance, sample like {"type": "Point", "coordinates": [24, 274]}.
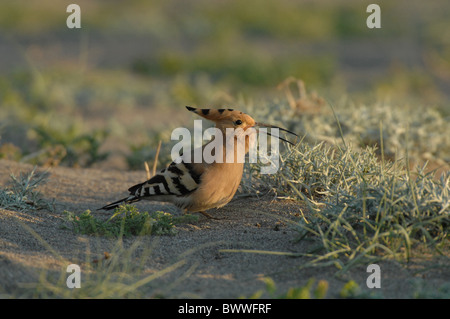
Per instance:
{"type": "Point", "coordinates": [234, 118]}
{"type": "Point", "coordinates": [216, 115]}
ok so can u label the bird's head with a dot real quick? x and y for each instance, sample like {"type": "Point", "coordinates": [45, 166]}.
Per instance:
{"type": "Point", "coordinates": [230, 118]}
{"type": "Point", "coordinates": [225, 118]}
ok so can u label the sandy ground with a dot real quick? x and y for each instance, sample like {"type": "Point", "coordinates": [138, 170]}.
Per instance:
{"type": "Point", "coordinates": [207, 272]}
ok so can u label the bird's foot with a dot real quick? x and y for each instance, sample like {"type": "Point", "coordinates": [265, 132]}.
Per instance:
{"type": "Point", "coordinates": [208, 215]}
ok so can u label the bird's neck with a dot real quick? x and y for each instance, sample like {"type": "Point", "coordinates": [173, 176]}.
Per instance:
{"type": "Point", "coordinates": [235, 148]}
{"type": "Point", "coordinates": [232, 148]}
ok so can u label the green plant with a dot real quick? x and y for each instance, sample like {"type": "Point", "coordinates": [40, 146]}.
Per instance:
{"type": "Point", "coordinates": [10, 152]}
{"type": "Point", "coordinates": [304, 292]}
{"type": "Point", "coordinates": [360, 208]}
{"type": "Point", "coordinates": [22, 194]}
{"type": "Point", "coordinates": [69, 146]}
{"type": "Point", "coordinates": [126, 221]}
{"type": "Point", "coordinates": [350, 290]}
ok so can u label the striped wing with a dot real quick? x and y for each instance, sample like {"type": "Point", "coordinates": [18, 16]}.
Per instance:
{"type": "Point", "coordinates": [179, 179]}
{"type": "Point", "coordinates": [173, 184]}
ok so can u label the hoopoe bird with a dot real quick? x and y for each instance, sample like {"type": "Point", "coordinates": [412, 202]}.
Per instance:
{"type": "Point", "coordinates": [197, 187]}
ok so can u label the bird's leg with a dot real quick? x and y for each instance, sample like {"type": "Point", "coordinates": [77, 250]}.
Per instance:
{"type": "Point", "coordinates": [207, 215]}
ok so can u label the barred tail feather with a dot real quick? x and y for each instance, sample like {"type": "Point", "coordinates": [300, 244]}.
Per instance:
{"type": "Point", "coordinates": [126, 200]}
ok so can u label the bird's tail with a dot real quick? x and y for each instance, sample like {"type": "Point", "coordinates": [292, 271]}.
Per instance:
{"type": "Point", "coordinates": [126, 200]}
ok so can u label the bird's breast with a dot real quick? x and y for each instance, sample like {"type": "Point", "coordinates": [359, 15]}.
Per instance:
{"type": "Point", "coordinates": [218, 185]}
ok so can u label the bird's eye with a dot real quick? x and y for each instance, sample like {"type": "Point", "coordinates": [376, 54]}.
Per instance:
{"type": "Point", "coordinates": [238, 122]}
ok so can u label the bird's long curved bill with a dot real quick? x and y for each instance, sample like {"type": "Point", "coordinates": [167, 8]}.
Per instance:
{"type": "Point", "coordinates": [280, 128]}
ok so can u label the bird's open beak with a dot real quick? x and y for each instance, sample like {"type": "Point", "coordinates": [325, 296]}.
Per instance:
{"type": "Point", "coordinates": [280, 128]}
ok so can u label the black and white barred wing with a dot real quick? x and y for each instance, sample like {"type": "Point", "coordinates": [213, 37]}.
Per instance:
{"type": "Point", "coordinates": [172, 184]}
{"type": "Point", "coordinates": [177, 179]}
